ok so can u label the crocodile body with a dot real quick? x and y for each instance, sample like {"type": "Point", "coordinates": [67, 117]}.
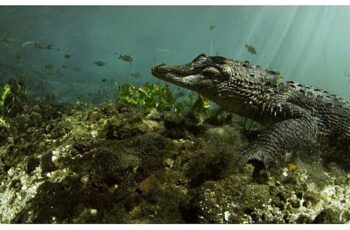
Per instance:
{"type": "Point", "coordinates": [295, 115]}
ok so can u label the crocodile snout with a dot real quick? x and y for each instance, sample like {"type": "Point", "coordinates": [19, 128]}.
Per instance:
{"type": "Point", "coordinates": [159, 69]}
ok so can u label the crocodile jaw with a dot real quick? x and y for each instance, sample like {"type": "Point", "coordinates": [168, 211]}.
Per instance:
{"type": "Point", "coordinates": [181, 75]}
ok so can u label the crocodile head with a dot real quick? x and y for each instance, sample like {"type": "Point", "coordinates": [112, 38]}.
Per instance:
{"type": "Point", "coordinates": [202, 75]}
{"type": "Point", "coordinates": [231, 84]}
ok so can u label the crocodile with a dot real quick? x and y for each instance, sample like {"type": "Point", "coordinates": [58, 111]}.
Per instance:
{"type": "Point", "coordinates": [295, 116]}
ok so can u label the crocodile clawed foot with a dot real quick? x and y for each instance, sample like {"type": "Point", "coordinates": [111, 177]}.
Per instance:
{"type": "Point", "coordinates": [260, 173]}
{"type": "Point", "coordinates": [258, 167]}
{"type": "Point", "coordinates": [259, 160]}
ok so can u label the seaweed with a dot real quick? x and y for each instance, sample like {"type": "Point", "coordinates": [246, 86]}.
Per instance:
{"type": "Point", "coordinates": [156, 96]}
{"type": "Point", "coordinates": [200, 110]}
{"type": "Point", "coordinates": [149, 95]}
{"type": "Point", "coordinates": [5, 92]}
{"type": "Point", "coordinates": [12, 94]}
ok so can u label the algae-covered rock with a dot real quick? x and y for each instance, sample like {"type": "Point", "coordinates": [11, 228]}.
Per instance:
{"type": "Point", "coordinates": [115, 163]}
{"type": "Point", "coordinates": [255, 196]}
{"type": "Point", "coordinates": [328, 216]}
{"type": "Point", "coordinates": [4, 131]}
{"type": "Point", "coordinates": [237, 199]}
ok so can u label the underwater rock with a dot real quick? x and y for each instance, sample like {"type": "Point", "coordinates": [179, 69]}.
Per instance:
{"type": "Point", "coordinates": [4, 133]}
{"type": "Point", "coordinates": [108, 164]}
{"type": "Point", "coordinates": [328, 216]}
{"type": "Point", "coordinates": [147, 184]}
{"type": "Point", "coordinates": [255, 196]}
{"type": "Point", "coordinates": [46, 163]}
{"type": "Point", "coordinates": [31, 164]}
{"type": "Point", "coordinates": [238, 200]}
{"type": "Point", "coordinates": [118, 132]}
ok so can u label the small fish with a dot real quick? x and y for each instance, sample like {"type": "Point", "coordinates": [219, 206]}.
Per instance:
{"type": "Point", "coordinates": [100, 63]}
{"type": "Point", "coordinates": [58, 49]}
{"type": "Point", "coordinates": [250, 48]}
{"type": "Point", "coordinates": [126, 58]}
{"type": "Point", "coordinates": [7, 40]}
{"type": "Point", "coordinates": [77, 69]}
{"type": "Point", "coordinates": [67, 56]}
{"type": "Point", "coordinates": [40, 46]}
{"type": "Point", "coordinates": [180, 94]}
{"type": "Point", "coordinates": [63, 66]}
{"type": "Point", "coordinates": [115, 53]}
{"type": "Point", "coordinates": [49, 66]}
{"type": "Point", "coordinates": [108, 80]}
{"type": "Point", "coordinates": [211, 27]}
{"type": "Point", "coordinates": [18, 57]}
{"type": "Point", "coordinates": [166, 50]}
{"type": "Point", "coordinates": [28, 43]}
{"type": "Point", "coordinates": [49, 46]}
{"type": "Point", "coordinates": [136, 74]}
{"type": "Point", "coordinates": [60, 73]}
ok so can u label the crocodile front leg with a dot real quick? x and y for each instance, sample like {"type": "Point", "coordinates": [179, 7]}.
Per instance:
{"type": "Point", "coordinates": [282, 136]}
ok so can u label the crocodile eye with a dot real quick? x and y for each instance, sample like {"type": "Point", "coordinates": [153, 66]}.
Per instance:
{"type": "Point", "coordinates": [211, 72]}
{"type": "Point", "coordinates": [227, 71]}
{"type": "Point", "coordinates": [201, 56]}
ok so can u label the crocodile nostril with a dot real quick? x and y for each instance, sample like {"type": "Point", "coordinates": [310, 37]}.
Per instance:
{"type": "Point", "coordinates": [161, 68]}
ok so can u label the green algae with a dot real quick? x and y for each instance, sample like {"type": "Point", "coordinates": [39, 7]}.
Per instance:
{"type": "Point", "coordinates": [147, 96]}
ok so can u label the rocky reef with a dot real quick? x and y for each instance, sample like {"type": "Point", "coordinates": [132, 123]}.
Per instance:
{"type": "Point", "coordinates": [116, 163]}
